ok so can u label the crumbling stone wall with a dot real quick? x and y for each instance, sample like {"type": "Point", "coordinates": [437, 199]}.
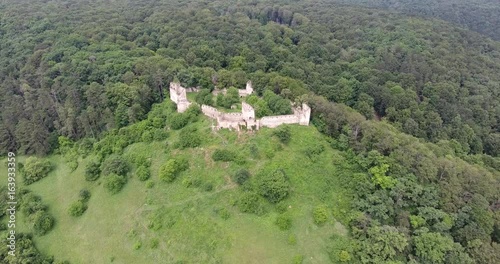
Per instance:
{"type": "Point", "coordinates": [274, 121]}
{"type": "Point", "coordinates": [247, 91]}
{"type": "Point", "coordinates": [247, 111]}
{"type": "Point", "coordinates": [210, 111]}
{"type": "Point", "coordinates": [301, 115]}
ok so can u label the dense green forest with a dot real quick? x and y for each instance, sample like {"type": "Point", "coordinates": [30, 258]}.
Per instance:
{"type": "Point", "coordinates": [75, 69]}
{"type": "Point", "coordinates": [478, 15]}
{"type": "Point", "coordinates": [411, 106]}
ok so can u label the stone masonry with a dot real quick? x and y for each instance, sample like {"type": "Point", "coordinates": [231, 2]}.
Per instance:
{"type": "Point", "coordinates": [178, 96]}
{"type": "Point", "coordinates": [301, 114]}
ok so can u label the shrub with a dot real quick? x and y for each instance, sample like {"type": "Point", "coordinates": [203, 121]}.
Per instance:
{"type": "Point", "coordinates": [314, 150]}
{"type": "Point", "coordinates": [160, 134]}
{"type": "Point", "coordinates": [320, 214]}
{"type": "Point", "coordinates": [283, 134]}
{"type": "Point", "coordinates": [193, 112]}
{"type": "Point", "coordinates": [191, 182]}
{"type": "Point", "coordinates": [189, 139]}
{"type": "Point", "coordinates": [147, 136]}
{"type": "Point", "coordinates": [143, 173]}
{"type": "Point", "coordinates": [187, 182]}
{"type": "Point", "coordinates": [137, 245]}
{"type": "Point", "coordinates": [241, 176]}
{"type": "Point", "coordinates": [150, 184]}
{"type": "Point", "coordinates": [344, 256]}
{"type": "Point", "coordinates": [35, 169]}
{"type": "Point", "coordinates": [284, 221]}
{"type": "Point", "coordinates": [250, 202]}
{"type": "Point", "coordinates": [292, 239]}
{"type": "Point", "coordinates": [340, 250]}
{"type": "Point", "coordinates": [178, 121]}
{"type": "Point", "coordinates": [84, 195]}
{"type": "Point", "coordinates": [223, 155]}
{"type": "Point", "coordinates": [31, 204]}
{"type": "Point", "coordinates": [42, 222]}
{"type": "Point", "coordinates": [223, 213]}
{"type": "Point", "coordinates": [139, 160]}
{"type": "Point", "coordinates": [77, 208]}
{"type": "Point", "coordinates": [298, 259]}
{"type": "Point", "coordinates": [35, 212]}
{"type": "Point", "coordinates": [92, 171]}
{"type": "Point", "coordinates": [114, 183]}
{"type": "Point", "coordinates": [73, 165]}
{"type": "Point", "coordinates": [275, 186]}
{"type": "Point", "coordinates": [115, 165]}
{"type": "Point", "coordinates": [170, 170]}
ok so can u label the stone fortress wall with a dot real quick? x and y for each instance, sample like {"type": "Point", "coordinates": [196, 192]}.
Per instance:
{"type": "Point", "coordinates": [301, 115]}
{"type": "Point", "coordinates": [178, 96]}
{"type": "Point", "coordinates": [274, 121]}
{"type": "Point", "coordinates": [210, 111]}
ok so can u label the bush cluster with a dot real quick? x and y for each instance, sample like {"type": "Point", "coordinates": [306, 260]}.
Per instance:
{"type": "Point", "coordinates": [283, 133]}
{"type": "Point", "coordinates": [274, 186]}
{"type": "Point", "coordinates": [35, 169]}
{"type": "Point", "coordinates": [178, 121]}
{"type": "Point", "coordinates": [36, 212]}
{"type": "Point", "coordinates": [314, 150]}
{"type": "Point", "coordinates": [143, 173]}
{"type": "Point", "coordinates": [114, 183]}
{"type": "Point", "coordinates": [171, 169]}
{"type": "Point", "coordinates": [320, 214]}
{"type": "Point", "coordinates": [189, 138]}
{"type": "Point", "coordinates": [92, 170]}
{"type": "Point", "coordinates": [115, 165]}
{"type": "Point", "coordinates": [79, 207]}
{"type": "Point", "coordinates": [223, 155]}
{"type": "Point", "coordinates": [250, 202]}
{"type": "Point", "coordinates": [284, 221]}
{"type": "Point", "coordinates": [241, 176]}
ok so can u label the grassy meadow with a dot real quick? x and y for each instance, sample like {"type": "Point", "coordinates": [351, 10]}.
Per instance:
{"type": "Point", "coordinates": [195, 219]}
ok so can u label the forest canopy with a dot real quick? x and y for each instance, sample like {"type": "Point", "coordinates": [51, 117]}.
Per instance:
{"type": "Point", "coordinates": [76, 69]}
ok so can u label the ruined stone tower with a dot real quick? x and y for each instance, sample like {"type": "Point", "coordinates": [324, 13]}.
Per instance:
{"type": "Point", "coordinates": [178, 96]}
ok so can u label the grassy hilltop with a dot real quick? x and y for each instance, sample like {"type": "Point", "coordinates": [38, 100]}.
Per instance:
{"type": "Point", "coordinates": [197, 217]}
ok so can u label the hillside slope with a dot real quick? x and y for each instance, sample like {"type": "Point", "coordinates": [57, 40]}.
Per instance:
{"type": "Point", "coordinates": [197, 218]}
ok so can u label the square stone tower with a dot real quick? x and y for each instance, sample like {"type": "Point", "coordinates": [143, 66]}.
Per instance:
{"type": "Point", "coordinates": [178, 95]}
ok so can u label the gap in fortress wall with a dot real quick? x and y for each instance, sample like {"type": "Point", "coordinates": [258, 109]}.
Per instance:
{"type": "Point", "coordinates": [241, 92]}
{"type": "Point", "coordinates": [301, 114]}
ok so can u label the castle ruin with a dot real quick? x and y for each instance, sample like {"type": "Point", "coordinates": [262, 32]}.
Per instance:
{"type": "Point", "coordinates": [246, 119]}
{"type": "Point", "coordinates": [178, 96]}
